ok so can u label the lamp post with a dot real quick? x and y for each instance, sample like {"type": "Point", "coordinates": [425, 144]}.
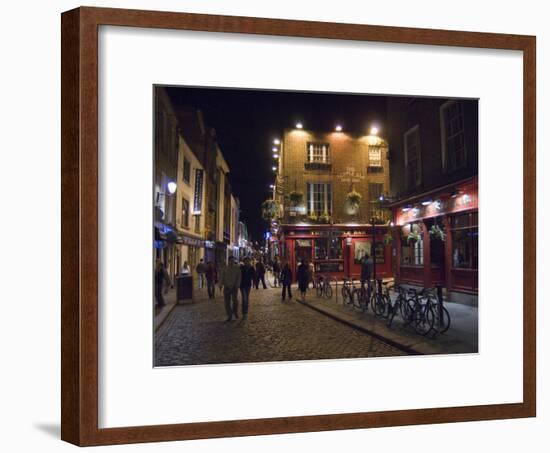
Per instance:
{"type": "Point", "coordinates": [373, 249]}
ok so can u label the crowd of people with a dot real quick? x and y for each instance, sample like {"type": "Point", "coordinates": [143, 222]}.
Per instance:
{"type": "Point", "coordinates": [235, 278]}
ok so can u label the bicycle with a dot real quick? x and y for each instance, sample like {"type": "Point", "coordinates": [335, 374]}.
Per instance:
{"type": "Point", "coordinates": [379, 299]}
{"type": "Point", "coordinates": [401, 305]}
{"type": "Point", "coordinates": [323, 287]}
{"type": "Point", "coordinates": [441, 317]}
{"type": "Point", "coordinates": [347, 291]}
{"type": "Point", "coordinates": [361, 296]}
{"type": "Point", "coordinates": [422, 315]}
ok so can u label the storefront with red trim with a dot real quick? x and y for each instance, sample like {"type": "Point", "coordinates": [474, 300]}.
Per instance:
{"type": "Point", "coordinates": [335, 250]}
{"type": "Point", "coordinates": [436, 238]}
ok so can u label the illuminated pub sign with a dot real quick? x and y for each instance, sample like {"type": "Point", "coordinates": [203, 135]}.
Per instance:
{"type": "Point", "coordinates": [462, 202]}
{"type": "Point", "coordinates": [197, 204]}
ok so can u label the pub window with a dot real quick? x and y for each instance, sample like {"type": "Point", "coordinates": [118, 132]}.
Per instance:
{"type": "Point", "coordinates": [186, 170]}
{"type": "Point", "coordinates": [185, 212]}
{"type": "Point", "coordinates": [319, 199]}
{"type": "Point", "coordinates": [318, 152]}
{"type": "Point", "coordinates": [328, 249]}
{"type": "Point", "coordinates": [412, 251]}
{"type": "Point", "coordinates": [453, 147]}
{"type": "Point", "coordinates": [413, 157]}
{"type": "Point", "coordinates": [464, 231]}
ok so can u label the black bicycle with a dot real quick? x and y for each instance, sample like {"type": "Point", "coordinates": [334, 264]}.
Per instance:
{"type": "Point", "coordinates": [323, 287]}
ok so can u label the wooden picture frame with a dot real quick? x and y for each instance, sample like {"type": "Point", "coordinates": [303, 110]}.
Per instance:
{"type": "Point", "coordinates": [79, 342]}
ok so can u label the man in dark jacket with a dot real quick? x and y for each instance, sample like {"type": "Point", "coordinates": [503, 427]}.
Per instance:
{"type": "Point", "coordinates": [366, 268]}
{"type": "Point", "coordinates": [286, 280]}
{"type": "Point", "coordinates": [260, 274]}
{"type": "Point", "coordinates": [248, 277]}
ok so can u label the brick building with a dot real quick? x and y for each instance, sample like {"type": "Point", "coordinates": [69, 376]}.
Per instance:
{"type": "Point", "coordinates": [434, 185]}
{"type": "Point", "coordinates": [317, 220]}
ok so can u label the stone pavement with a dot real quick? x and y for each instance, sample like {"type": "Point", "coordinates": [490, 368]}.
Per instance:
{"type": "Point", "coordinates": [462, 336]}
{"type": "Point", "coordinates": [194, 333]}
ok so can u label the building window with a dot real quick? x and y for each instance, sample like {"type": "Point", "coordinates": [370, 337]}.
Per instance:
{"type": "Point", "coordinates": [453, 147]}
{"type": "Point", "coordinates": [464, 231]}
{"type": "Point", "coordinates": [375, 192]}
{"type": "Point", "coordinates": [197, 224]}
{"type": "Point", "coordinates": [328, 249]}
{"type": "Point", "coordinates": [375, 156]}
{"type": "Point", "coordinates": [319, 199]}
{"type": "Point", "coordinates": [185, 212]}
{"type": "Point", "coordinates": [186, 170]}
{"type": "Point", "coordinates": [318, 153]}
{"type": "Point", "coordinates": [412, 157]}
{"type": "Point", "coordinates": [412, 252]}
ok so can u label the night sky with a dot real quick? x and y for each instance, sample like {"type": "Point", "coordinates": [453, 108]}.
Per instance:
{"type": "Point", "coordinates": [247, 122]}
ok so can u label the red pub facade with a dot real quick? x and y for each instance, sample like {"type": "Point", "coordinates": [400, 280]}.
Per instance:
{"type": "Point", "coordinates": [436, 239]}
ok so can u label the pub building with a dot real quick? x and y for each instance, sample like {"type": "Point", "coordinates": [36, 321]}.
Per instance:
{"type": "Point", "coordinates": [436, 240]}
{"type": "Point", "coordinates": [318, 219]}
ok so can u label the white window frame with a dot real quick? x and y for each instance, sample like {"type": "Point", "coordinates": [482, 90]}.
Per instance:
{"type": "Point", "coordinates": [327, 199]}
{"type": "Point", "coordinates": [318, 149]}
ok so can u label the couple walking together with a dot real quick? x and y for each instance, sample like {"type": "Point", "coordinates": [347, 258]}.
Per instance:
{"type": "Point", "coordinates": [235, 277]}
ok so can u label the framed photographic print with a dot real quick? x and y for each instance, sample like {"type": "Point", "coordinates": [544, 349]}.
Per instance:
{"type": "Point", "coordinates": [276, 226]}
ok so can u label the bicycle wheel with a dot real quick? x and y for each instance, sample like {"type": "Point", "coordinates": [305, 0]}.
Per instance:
{"type": "Point", "coordinates": [356, 298]}
{"type": "Point", "coordinates": [406, 309]}
{"type": "Point", "coordinates": [319, 288]}
{"type": "Point", "coordinates": [328, 291]}
{"type": "Point", "coordinates": [423, 320]}
{"type": "Point", "coordinates": [346, 295]}
{"type": "Point", "coordinates": [445, 322]}
{"type": "Point", "coordinates": [379, 304]}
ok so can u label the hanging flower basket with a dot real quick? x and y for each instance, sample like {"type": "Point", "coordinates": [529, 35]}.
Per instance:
{"type": "Point", "coordinates": [269, 210]}
{"type": "Point", "coordinates": [353, 197]}
{"type": "Point", "coordinates": [295, 197]}
{"type": "Point", "coordinates": [414, 235]}
{"type": "Point", "coordinates": [436, 232]}
{"type": "Point", "coordinates": [388, 239]}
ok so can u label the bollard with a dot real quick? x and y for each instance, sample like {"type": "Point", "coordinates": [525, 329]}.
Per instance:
{"type": "Point", "coordinates": [440, 303]}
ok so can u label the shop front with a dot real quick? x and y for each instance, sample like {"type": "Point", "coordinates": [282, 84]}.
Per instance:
{"type": "Point", "coordinates": [190, 250]}
{"type": "Point", "coordinates": [335, 250]}
{"type": "Point", "coordinates": [436, 239]}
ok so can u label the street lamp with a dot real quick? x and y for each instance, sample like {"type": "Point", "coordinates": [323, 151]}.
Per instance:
{"type": "Point", "coordinates": [299, 126]}
{"type": "Point", "coordinates": [276, 141]}
{"type": "Point", "coordinates": [374, 130]}
{"type": "Point", "coordinates": [172, 186]}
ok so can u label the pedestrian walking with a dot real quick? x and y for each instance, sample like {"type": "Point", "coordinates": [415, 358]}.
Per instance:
{"type": "Point", "coordinates": [302, 273]}
{"type": "Point", "coordinates": [260, 274]}
{"type": "Point", "coordinates": [211, 278]}
{"type": "Point", "coordinates": [248, 277]}
{"type": "Point", "coordinates": [201, 269]}
{"type": "Point", "coordinates": [311, 270]}
{"type": "Point", "coordinates": [286, 281]}
{"type": "Point", "coordinates": [162, 283]}
{"type": "Point", "coordinates": [230, 281]}
{"type": "Point", "coordinates": [276, 269]}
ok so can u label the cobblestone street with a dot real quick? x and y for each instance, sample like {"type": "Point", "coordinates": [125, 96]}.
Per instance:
{"type": "Point", "coordinates": [274, 331]}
